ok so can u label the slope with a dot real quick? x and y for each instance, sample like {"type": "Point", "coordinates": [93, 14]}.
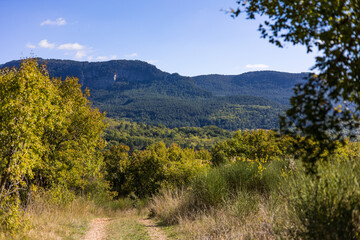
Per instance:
{"type": "Point", "coordinates": [138, 91]}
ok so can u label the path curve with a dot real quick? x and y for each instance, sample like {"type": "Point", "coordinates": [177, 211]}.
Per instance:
{"type": "Point", "coordinates": [97, 229]}
{"type": "Point", "coordinates": [155, 233]}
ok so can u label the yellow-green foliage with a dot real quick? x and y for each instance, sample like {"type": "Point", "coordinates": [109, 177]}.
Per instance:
{"type": "Point", "coordinates": [145, 172]}
{"type": "Point", "coordinates": [24, 109]}
{"type": "Point", "coordinates": [49, 137]}
{"type": "Point", "coordinates": [73, 159]}
{"type": "Point", "coordinates": [261, 145]}
{"type": "Point", "coordinates": [283, 202]}
{"type": "Point", "coordinates": [138, 136]}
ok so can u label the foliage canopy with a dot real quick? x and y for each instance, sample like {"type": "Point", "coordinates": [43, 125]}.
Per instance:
{"type": "Point", "coordinates": [49, 139]}
{"type": "Point", "coordinates": [321, 107]}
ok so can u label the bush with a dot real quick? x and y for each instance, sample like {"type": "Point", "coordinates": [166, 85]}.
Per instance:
{"type": "Point", "coordinates": [218, 184]}
{"type": "Point", "coordinates": [326, 206]}
{"type": "Point", "coordinates": [263, 145]}
{"type": "Point", "coordinates": [145, 172]}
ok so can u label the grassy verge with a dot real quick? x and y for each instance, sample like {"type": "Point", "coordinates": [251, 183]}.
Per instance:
{"type": "Point", "coordinates": [48, 221]}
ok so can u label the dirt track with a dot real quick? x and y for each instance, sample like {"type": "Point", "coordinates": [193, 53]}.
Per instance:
{"type": "Point", "coordinates": [155, 233]}
{"type": "Point", "coordinates": [97, 229]}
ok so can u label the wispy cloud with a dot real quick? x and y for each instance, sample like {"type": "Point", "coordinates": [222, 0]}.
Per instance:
{"type": "Point", "coordinates": [71, 46]}
{"type": "Point", "coordinates": [80, 50]}
{"type": "Point", "coordinates": [45, 44]}
{"type": "Point", "coordinates": [31, 46]}
{"type": "Point", "coordinates": [80, 54]}
{"type": "Point", "coordinates": [57, 22]}
{"type": "Point", "coordinates": [131, 55]}
{"type": "Point", "coordinates": [77, 50]}
{"type": "Point", "coordinates": [256, 66]}
{"type": "Point", "coordinates": [152, 61]}
{"type": "Point", "coordinates": [103, 58]}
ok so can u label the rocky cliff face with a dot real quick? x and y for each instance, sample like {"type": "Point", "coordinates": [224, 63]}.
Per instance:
{"type": "Point", "coordinates": [100, 75]}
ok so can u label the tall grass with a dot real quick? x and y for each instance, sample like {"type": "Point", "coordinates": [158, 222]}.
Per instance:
{"type": "Point", "coordinates": [47, 219]}
{"type": "Point", "coordinates": [326, 206]}
{"type": "Point", "coordinates": [226, 202]}
{"type": "Point", "coordinates": [50, 221]}
{"type": "Point", "coordinates": [219, 185]}
{"type": "Point", "coordinates": [237, 202]}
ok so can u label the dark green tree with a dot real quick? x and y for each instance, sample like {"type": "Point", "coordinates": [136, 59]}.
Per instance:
{"type": "Point", "coordinates": [329, 102]}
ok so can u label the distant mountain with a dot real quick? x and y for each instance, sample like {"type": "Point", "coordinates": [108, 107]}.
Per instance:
{"type": "Point", "coordinates": [122, 75]}
{"type": "Point", "coordinates": [140, 92]}
{"type": "Point", "coordinates": [272, 85]}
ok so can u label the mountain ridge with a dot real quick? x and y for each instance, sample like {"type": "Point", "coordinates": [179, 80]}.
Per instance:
{"type": "Point", "coordinates": [140, 92]}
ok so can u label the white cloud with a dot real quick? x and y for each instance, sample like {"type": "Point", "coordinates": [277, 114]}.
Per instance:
{"type": "Point", "coordinates": [45, 44]}
{"type": "Point", "coordinates": [104, 58]}
{"type": "Point", "coordinates": [58, 22]}
{"type": "Point", "coordinates": [256, 66]}
{"type": "Point", "coordinates": [80, 54]}
{"type": "Point", "coordinates": [132, 55]}
{"type": "Point", "coordinates": [152, 61]}
{"type": "Point", "coordinates": [71, 46]}
{"type": "Point", "coordinates": [81, 50]}
{"type": "Point", "coordinates": [29, 45]}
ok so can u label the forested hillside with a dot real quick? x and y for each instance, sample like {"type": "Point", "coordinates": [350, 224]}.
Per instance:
{"type": "Point", "coordinates": [276, 86]}
{"type": "Point", "coordinates": [138, 91]}
{"type": "Point", "coordinates": [141, 136]}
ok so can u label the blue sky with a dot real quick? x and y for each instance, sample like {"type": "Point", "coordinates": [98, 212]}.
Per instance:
{"type": "Point", "coordinates": [190, 37]}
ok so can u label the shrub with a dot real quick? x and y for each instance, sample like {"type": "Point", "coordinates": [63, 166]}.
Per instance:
{"type": "Point", "coordinates": [263, 145]}
{"type": "Point", "coordinates": [145, 172]}
{"type": "Point", "coordinates": [216, 185]}
{"type": "Point", "coordinates": [326, 206]}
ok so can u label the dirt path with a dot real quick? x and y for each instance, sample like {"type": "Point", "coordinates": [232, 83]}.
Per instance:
{"type": "Point", "coordinates": [97, 229]}
{"type": "Point", "coordinates": [155, 233]}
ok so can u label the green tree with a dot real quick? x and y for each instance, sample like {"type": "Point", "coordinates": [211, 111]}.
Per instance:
{"type": "Point", "coordinates": [261, 145]}
{"type": "Point", "coordinates": [25, 107]}
{"type": "Point", "coordinates": [50, 137]}
{"type": "Point", "coordinates": [145, 172]}
{"type": "Point", "coordinates": [73, 160]}
{"type": "Point", "coordinates": [116, 160]}
{"type": "Point", "coordinates": [321, 107]}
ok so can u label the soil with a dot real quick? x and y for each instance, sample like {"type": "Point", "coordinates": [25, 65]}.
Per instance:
{"type": "Point", "coordinates": [155, 233]}
{"type": "Point", "coordinates": [97, 229]}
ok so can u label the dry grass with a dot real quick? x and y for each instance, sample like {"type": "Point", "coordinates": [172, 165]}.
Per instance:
{"type": "Point", "coordinates": [48, 221]}
{"type": "Point", "coordinates": [221, 223]}
{"type": "Point", "coordinates": [224, 222]}
{"type": "Point", "coordinates": [170, 206]}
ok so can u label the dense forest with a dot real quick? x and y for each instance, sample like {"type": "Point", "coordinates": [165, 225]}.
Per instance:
{"type": "Point", "coordinates": [140, 136]}
{"type": "Point", "coordinates": [276, 86]}
{"type": "Point", "coordinates": [139, 92]}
